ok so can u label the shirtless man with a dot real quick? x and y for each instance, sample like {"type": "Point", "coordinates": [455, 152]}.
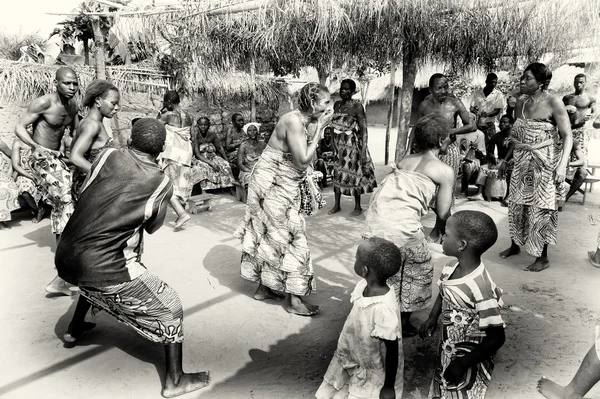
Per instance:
{"type": "Point", "coordinates": [49, 116]}
{"type": "Point", "coordinates": [451, 108]}
{"type": "Point", "coordinates": [581, 107]}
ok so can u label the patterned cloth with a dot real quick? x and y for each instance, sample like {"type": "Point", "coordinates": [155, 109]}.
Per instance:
{"type": "Point", "coordinates": [176, 160]}
{"type": "Point", "coordinates": [469, 305]}
{"type": "Point", "coordinates": [146, 303]}
{"type": "Point", "coordinates": [532, 212]}
{"type": "Point", "coordinates": [452, 157]}
{"type": "Point", "coordinates": [357, 369]}
{"type": "Point", "coordinates": [204, 174]}
{"type": "Point", "coordinates": [56, 181]}
{"type": "Point", "coordinates": [9, 191]}
{"type": "Point", "coordinates": [274, 246]}
{"type": "Point", "coordinates": [395, 214]}
{"type": "Point", "coordinates": [26, 185]}
{"type": "Point", "coordinates": [582, 135]}
{"type": "Point", "coordinates": [90, 156]}
{"type": "Point", "coordinates": [353, 175]}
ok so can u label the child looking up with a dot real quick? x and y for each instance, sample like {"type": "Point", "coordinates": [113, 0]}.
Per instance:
{"type": "Point", "coordinates": [469, 302]}
{"type": "Point", "coordinates": [369, 361]}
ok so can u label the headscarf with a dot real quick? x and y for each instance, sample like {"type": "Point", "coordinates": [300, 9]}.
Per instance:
{"type": "Point", "coordinates": [247, 125]}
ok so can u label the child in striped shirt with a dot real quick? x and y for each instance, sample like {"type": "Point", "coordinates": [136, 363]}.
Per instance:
{"type": "Point", "coordinates": [469, 302]}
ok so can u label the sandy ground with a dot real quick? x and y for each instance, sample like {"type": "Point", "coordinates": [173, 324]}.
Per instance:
{"type": "Point", "coordinates": [257, 350]}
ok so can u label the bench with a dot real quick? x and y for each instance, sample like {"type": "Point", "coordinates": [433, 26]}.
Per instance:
{"type": "Point", "coordinates": [589, 181]}
{"type": "Point", "coordinates": [199, 203]}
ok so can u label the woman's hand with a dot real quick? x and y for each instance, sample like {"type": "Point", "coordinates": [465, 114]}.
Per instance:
{"type": "Point", "coordinates": [560, 174]}
{"type": "Point", "coordinates": [428, 328]}
{"type": "Point", "coordinates": [387, 393]}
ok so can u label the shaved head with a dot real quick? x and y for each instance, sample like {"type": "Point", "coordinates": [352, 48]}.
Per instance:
{"type": "Point", "coordinates": [64, 72]}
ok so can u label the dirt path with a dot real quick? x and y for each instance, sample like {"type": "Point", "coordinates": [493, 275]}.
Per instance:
{"type": "Point", "coordinates": [257, 350]}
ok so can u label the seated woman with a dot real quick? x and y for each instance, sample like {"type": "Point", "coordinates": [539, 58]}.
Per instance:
{"type": "Point", "coordinates": [249, 152]}
{"type": "Point", "coordinates": [234, 138]}
{"type": "Point", "coordinates": [210, 168]}
{"type": "Point", "coordinates": [29, 190]}
{"type": "Point", "coordinates": [326, 154]}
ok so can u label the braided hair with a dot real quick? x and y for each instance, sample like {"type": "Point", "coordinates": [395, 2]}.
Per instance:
{"type": "Point", "coordinates": [311, 92]}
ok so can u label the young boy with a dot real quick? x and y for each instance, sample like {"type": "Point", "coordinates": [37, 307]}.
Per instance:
{"type": "Point", "coordinates": [100, 250]}
{"type": "Point", "coordinates": [472, 327]}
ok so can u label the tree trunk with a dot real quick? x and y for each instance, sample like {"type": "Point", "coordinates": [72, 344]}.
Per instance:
{"type": "Point", "coordinates": [99, 44]}
{"type": "Point", "coordinates": [390, 117]}
{"type": "Point", "coordinates": [365, 92]}
{"type": "Point", "coordinates": [253, 96]}
{"type": "Point", "coordinates": [409, 74]}
{"type": "Point", "coordinates": [86, 51]}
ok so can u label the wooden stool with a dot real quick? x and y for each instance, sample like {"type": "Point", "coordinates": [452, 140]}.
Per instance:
{"type": "Point", "coordinates": [494, 186]}
{"type": "Point", "coordinates": [199, 203]}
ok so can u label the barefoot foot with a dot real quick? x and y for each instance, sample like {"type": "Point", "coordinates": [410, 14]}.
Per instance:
{"type": "Point", "coordinates": [188, 382]}
{"type": "Point", "coordinates": [513, 250]}
{"type": "Point", "coordinates": [297, 305]}
{"type": "Point", "coordinates": [540, 264]}
{"type": "Point", "coordinates": [58, 286]}
{"type": "Point", "coordinates": [263, 293]}
{"type": "Point", "coordinates": [333, 210]}
{"type": "Point", "coordinates": [594, 258]}
{"type": "Point", "coordinates": [75, 331]}
{"type": "Point", "coordinates": [40, 215]}
{"type": "Point", "coordinates": [477, 197]}
{"type": "Point", "coordinates": [550, 389]}
{"type": "Point", "coordinates": [181, 221]}
{"type": "Point", "coordinates": [356, 212]}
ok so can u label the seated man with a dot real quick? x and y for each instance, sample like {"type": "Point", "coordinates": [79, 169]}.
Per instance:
{"type": "Point", "coordinates": [498, 143]}
{"type": "Point", "coordinates": [325, 157]}
{"type": "Point", "coordinates": [472, 152]}
{"type": "Point", "coordinates": [101, 246]}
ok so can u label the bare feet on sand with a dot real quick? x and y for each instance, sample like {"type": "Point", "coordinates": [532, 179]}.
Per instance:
{"type": "Point", "coordinates": [263, 293]}
{"type": "Point", "coordinates": [39, 216]}
{"type": "Point", "coordinates": [594, 258]}
{"type": "Point", "coordinates": [513, 250]}
{"type": "Point", "coordinates": [188, 382]}
{"type": "Point", "coordinates": [58, 286]}
{"type": "Point", "coordinates": [552, 390]}
{"type": "Point", "coordinates": [181, 221]}
{"type": "Point", "coordinates": [541, 263]}
{"type": "Point", "coordinates": [297, 305]}
{"type": "Point", "coordinates": [356, 212]}
{"type": "Point", "coordinates": [333, 210]}
{"type": "Point", "coordinates": [75, 331]}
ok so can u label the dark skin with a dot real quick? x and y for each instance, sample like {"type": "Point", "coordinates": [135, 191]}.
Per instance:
{"type": "Point", "coordinates": [469, 259]}
{"type": "Point", "coordinates": [204, 136]}
{"type": "Point", "coordinates": [177, 382]}
{"type": "Point", "coordinates": [582, 101]}
{"type": "Point", "coordinates": [238, 124]}
{"type": "Point", "coordinates": [252, 144]}
{"type": "Point", "coordinates": [490, 85]}
{"type": "Point", "coordinates": [17, 167]}
{"type": "Point", "coordinates": [347, 106]}
{"type": "Point", "coordinates": [581, 173]}
{"type": "Point", "coordinates": [540, 105]}
{"type": "Point", "coordinates": [376, 287]}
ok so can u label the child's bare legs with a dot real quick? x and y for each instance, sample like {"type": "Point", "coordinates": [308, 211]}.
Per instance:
{"type": "Point", "coordinates": [296, 305]}
{"type": "Point", "coordinates": [182, 215]}
{"type": "Point", "coordinates": [58, 285]}
{"type": "Point", "coordinates": [177, 382]}
{"type": "Point", "coordinates": [586, 377]}
{"type": "Point", "coordinates": [357, 208]}
{"type": "Point", "coordinates": [38, 210]}
{"type": "Point", "coordinates": [541, 262]}
{"type": "Point", "coordinates": [338, 197]}
{"type": "Point", "coordinates": [408, 330]}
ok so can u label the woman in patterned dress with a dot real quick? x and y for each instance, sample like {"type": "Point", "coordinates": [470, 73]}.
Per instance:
{"type": "Point", "coordinates": [354, 172]}
{"type": "Point", "coordinates": [209, 167]}
{"type": "Point", "coordinates": [29, 190]}
{"type": "Point", "coordinates": [540, 145]}
{"type": "Point", "coordinates": [102, 98]}
{"type": "Point", "coordinates": [9, 191]}
{"type": "Point", "coordinates": [275, 250]}
{"type": "Point", "coordinates": [249, 152]}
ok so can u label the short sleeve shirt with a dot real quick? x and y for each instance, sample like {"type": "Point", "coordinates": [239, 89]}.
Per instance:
{"type": "Point", "coordinates": [488, 104]}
